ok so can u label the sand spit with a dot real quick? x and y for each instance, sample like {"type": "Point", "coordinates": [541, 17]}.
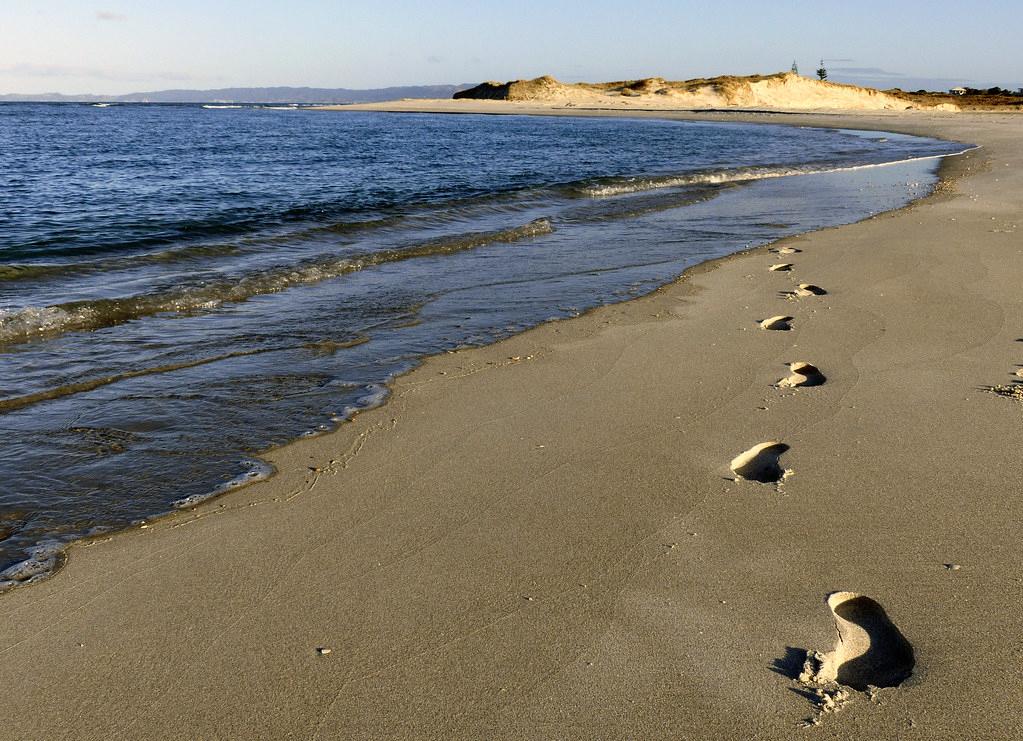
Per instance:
{"type": "Point", "coordinates": [541, 539]}
{"type": "Point", "coordinates": [785, 91]}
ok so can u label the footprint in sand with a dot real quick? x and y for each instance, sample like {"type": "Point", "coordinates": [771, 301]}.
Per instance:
{"type": "Point", "coordinates": [809, 289]}
{"type": "Point", "coordinates": [777, 323]}
{"type": "Point", "coordinates": [761, 463]}
{"type": "Point", "coordinates": [1019, 373]}
{"type": "Point", "coordinates": [785, 250]}
{"type": "Point", "coordinates": [870, 652]}
{"type": "Point", "coordinates": [804, 290]}
{"type": "Point", "coordinates": [781, 267]}
{"type": "Point", "coordinates": [802, 374]}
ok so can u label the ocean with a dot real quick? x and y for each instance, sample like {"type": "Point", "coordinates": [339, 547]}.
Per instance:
{"type": "Point", "coordinates": [182, 287]}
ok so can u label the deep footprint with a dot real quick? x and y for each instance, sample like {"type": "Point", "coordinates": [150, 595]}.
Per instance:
{"type": "Point", "coordinates": [777, 323]}
{"type": "Point", "coordinates": [802, 374]}
{"type": "Point", "coordinates": [871, 651]}
{"type": "Point", "coordinates": [803, 290]}
{"type": "Point", "coordinates": [809, 289]}
{"type": "Point", "coordinates": [761, 463]}
{"type": "Point", "coordinates": [781, 267]}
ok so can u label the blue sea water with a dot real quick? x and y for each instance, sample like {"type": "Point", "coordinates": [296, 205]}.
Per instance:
{"type": "Point", "coordinates": [182, 287]}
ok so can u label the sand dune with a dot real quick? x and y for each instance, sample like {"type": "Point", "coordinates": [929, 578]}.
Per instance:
{"type": "Point", "coordinates": [780, 91]}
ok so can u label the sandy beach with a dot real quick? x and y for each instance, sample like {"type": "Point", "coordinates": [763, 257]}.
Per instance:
{"type": "Point", "coordinates": [544, 538]}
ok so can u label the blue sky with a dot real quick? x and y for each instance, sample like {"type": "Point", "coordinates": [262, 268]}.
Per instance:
{"type": "Point", "coordinates": [117, 46]}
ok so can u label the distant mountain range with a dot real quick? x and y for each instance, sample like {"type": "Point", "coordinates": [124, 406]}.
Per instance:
{"type": "Point", "coordinates": [275, 95]}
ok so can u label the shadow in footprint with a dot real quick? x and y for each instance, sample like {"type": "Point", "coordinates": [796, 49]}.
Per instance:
{"type": "Point", "coordinates": [761, 463]}
{"type": "Point", "coordinates": [871, 651]}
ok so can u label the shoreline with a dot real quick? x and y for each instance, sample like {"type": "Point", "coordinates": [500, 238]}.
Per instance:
{"type": "Point", "coordinates": [621, 325]}
{"type": "Point", "coordinates": [52, 557]}
{"type": "Point", "coordinates": [49, 556]}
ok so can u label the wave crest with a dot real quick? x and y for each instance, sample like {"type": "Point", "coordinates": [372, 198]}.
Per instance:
{"type": "Point", "coordinates": [21, 325]}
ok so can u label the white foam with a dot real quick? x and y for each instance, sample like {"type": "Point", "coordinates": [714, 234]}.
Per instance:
{"type": "Point", "coordinates": [19, 323]}
{"type": "Point", "coordinates": [42, 562]}
{"type": "Point", "coordinates": [377, 395]}
{"type": "Point", "coordinates": [258, 471]}
{"type": "Point", "coordinates": [740, 175]}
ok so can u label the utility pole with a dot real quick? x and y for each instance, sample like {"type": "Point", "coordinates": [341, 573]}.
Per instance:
{"type": "Point", "coordinates": [822, 73]}
{"type": "Point", "coordinates": [795, 67]}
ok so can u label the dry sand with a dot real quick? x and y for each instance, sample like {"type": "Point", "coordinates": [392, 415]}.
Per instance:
{"type": "Point", "coordinates": [544, 538]}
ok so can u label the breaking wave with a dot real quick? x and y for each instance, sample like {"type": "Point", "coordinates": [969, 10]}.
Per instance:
{"type": "Point", "coordinates": [608, 187]}
{"type": "Point", "coordinates": [21, 325]}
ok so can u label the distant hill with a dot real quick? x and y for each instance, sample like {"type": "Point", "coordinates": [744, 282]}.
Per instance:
{"type": "Point", "coordinates": [275, 95]}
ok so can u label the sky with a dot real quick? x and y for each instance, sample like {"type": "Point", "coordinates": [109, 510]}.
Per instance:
{"type": "Point", "coordinates": [122, 46]}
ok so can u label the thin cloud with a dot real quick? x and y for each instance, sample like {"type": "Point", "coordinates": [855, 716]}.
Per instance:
{"type": "Point", "coordinates": [95, 73]}
{"type": "Point", "coordinates": [875, 71]}
{"type": "Point", "coordinates": [434, 59]}
{"type": "Point", "coordinates": [106, 15]}
{"type": "Point", "coordinates": [53, 70]}
{"type": "Point", "coordinates": [878, 77]}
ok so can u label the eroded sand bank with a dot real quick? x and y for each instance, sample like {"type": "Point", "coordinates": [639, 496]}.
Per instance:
{"type": "Point", "coordinates": [544, 538]}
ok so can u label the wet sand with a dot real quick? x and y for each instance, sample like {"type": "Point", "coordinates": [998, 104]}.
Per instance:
{"type": "Point", "coordinates": [559, 536]}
